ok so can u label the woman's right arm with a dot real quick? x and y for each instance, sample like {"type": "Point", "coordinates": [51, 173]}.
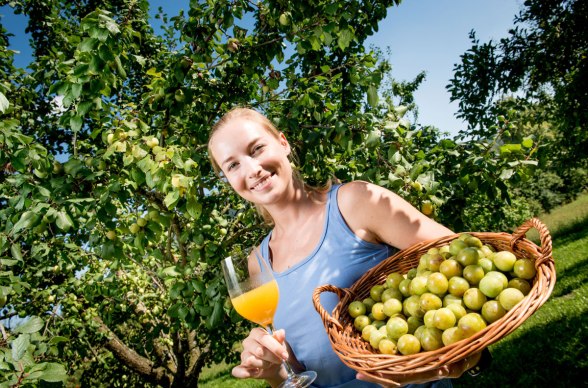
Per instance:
{"type": "Point", "coordinates": [262, 357]}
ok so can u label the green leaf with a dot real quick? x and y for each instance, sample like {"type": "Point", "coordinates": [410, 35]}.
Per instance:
{"type": "Point", "coordinates": [88, 44]}
{"type": "Point", "coordinates": [3, 243]}
{"type": "Point", "coordinates": [8, 263]}
{"type": "Point", "coordinates": [154, 73]}
{"type": "Point", "coordinates": [315, 43]}
{"type": "Point", "coordinates": [173, 310]}
{"type": "Point", "coordinates": [63, 221]}
{"type": "Point", "coordinates": [54, 373]}
{"type": "Point", "coordinates": [3, 102]}
{"type": "Point", "coordinates": [140, 60]}
{"type": "Point", "coordinates": [506, 174]}
{"type": "Point", "coordinates": [16, 252]}
{"type": "Point", "coordinates": [194, 207]}
{"type": "Point", "coordinates": [57, 340]}
{"type": "Point", "coordinates": [400, 111]}
{"type": "Point", "coordinates": [527, 142]}
{"type": "Point", "coordinates": [216, 317]}
{"type": "Point", "coordinates": [76, 90]}
{"type": "Point", "coordinates": [27, 219]}
{"type": "Point", "coordinates": [508, 148]}
{"type": "Point", "coordinates": [84, 107]}
{"type": "Point", "coordinates": [99, 33]}
{"type": "Point", "coordinates": [372, 96]}
{"type": "Point", "coordinates": [75, 123]}
{"type": "Point", "coordinates": [373, 138]}
{"type": "Point", "coordinates": [19, 346]}
{"type": "Point", "coordinates": [44, 192]}
{"type": "Point", "coordinates": [183, 311]}
{"type": "Point", "coordinates": [33, 325]}
{"type": "Point", "coordinates": [171, 271]}
{"type": "Point", "coordinates": [119, 67]}
{"type": "Point", "coordinates": [112, 27]}
{"type": "Point", "coordinates": [395, 182]}
{"type": "Point", "coordinates": [72, 167]}
{"type": "Point", "coordinates": [171, 199]}
{"type": "Point", "coordinates": [344, 39]}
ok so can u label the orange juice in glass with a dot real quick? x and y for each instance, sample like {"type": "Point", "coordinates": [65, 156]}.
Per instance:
{"type": "Point", "coordinates": [254, 294]}
{"type": "Point", "coordinates": [258, 305]}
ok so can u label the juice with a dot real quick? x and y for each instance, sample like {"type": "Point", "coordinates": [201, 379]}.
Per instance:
{"type": "Point", "coordinates": [259, 304]}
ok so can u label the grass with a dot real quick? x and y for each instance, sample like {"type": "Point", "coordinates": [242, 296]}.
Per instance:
{"type": "Point", "coordinates": [219, 376]}
{"type": "Point", "coordinates": [550, 348]}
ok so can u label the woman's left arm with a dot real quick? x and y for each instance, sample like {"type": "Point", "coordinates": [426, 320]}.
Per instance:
{"type": "Point", "coordinates": [377, 214]}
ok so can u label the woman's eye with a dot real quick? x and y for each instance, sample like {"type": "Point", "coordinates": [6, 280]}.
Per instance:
{"type": "Point", "coordinates": [257, 148]}
{"type": "Point", "coordinates": [232, 166]}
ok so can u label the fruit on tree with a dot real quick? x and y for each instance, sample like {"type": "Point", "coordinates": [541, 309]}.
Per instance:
{"type": "Point", "coordinates": [427, 208]}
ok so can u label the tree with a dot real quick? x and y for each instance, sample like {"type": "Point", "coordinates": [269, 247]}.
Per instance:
{"type": "Point", "coordinates": [112, 220]}
{"type": "Point", "coordinates": [541, 67]}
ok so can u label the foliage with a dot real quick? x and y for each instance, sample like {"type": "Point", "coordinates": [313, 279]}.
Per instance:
{"type": "Point", "coordinates": [536, 79]}
{"type": "Point", "coordinates": [24, 352]}
{"type": "Point", "coordinates": [112, 220]}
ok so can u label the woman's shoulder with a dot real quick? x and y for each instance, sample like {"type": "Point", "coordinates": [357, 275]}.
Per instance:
{"type": "Point", "coordinates": [363, 195]}
{"type": "Point", "coordinates": [358, 190]}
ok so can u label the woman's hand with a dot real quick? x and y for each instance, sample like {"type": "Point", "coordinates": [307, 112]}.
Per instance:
{"type": "Point", "coordinates": [262, 356]}
{"type": "Point", "coordinates": [454, 370]}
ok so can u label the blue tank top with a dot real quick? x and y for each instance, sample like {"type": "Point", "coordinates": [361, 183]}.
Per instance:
{"type": "Point", "coordinates": [339, 259]}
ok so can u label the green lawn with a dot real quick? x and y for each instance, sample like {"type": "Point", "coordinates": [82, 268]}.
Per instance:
{"type": "Point", "coordinates": [547, 350]}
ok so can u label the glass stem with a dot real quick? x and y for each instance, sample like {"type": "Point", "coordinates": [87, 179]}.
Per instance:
{"type": "Point", "coordinates": [270, 329]}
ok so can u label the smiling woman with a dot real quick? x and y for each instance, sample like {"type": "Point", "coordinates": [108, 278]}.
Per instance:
{"type": "Point", "coordinates": [319, 236]}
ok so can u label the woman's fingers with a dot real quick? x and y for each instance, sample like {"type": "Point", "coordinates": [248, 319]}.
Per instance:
{"type": "Point", "coordinates": [261, 351]}
{"type": "Point", "coordinates": [242, 372]}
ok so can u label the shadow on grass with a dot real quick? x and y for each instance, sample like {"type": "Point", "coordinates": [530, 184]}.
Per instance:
{"type": "Point", "coordinates": [570, 279]}
{"type": "Point", "coordinates": [572, 231]}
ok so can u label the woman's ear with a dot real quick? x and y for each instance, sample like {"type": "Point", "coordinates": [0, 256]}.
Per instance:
{"type": "Point", "coordinates": [284, 143]}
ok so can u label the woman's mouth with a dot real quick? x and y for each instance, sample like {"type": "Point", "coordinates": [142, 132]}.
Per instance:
{"type": "Point", "coordinates": [262, 183]}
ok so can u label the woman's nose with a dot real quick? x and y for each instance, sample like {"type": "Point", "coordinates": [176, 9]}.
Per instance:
{"type": "Point", "coordinates": [253, 167]}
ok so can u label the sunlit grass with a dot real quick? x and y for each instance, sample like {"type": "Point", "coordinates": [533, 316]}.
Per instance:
{"type": "Point", "coordinates": [219, 376]}
{"type": "Point", "coordinates": [564, 220]}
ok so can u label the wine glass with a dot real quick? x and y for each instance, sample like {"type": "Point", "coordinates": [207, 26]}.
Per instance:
{"type": "Point", "coordinates": [254, 294]}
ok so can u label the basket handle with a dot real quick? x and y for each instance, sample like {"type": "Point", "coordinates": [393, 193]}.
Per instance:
{"type": "Point", "coordinates": [327, 319]}
{"type": "Point", "coordinates": [545, 237]}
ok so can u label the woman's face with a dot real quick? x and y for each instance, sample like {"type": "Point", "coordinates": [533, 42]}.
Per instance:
{"type": "Point", "coordinates": [252, 159]}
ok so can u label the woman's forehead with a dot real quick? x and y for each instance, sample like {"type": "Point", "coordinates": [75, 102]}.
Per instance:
{"type": "Point", "coordinates": [239, 129]}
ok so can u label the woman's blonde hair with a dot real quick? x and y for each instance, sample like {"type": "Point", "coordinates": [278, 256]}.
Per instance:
{"type": "Point", "coordinates": [255, 116]}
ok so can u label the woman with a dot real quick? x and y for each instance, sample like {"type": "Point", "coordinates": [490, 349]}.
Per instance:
{"type": "Point", "coordinates": [319, 236]}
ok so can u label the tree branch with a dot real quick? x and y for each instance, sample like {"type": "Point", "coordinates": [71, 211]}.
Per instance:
{"type": "Point", "coordinates": [132, 359]}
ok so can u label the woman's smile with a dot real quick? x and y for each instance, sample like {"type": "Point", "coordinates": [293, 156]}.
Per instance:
{"type": "Point", "coordinates": [263, 183]}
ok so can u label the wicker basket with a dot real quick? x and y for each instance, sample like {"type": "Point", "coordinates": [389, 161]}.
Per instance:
{"type": "Point", "coordinates": [358, 354]}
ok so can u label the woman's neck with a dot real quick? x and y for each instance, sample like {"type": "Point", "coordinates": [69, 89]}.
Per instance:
{"type": "Point", "coordinates": [298, 207]}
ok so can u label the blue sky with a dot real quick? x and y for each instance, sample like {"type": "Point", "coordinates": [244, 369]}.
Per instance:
{"type": "Point", "coordinates": [423, 35]}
